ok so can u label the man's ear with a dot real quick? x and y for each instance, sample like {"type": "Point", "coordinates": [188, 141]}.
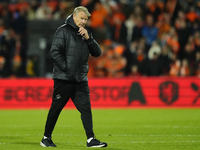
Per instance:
{"type": "Point", "coordinates": [74, 15]}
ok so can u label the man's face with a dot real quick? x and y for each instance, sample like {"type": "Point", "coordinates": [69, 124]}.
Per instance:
{"type": "Point", "coordinates": [80, 19]}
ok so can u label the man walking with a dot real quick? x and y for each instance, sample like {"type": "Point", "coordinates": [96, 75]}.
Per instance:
{"type": "Point", "coordinates": [70, 50]}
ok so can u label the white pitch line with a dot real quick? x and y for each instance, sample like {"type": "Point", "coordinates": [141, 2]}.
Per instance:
{"type": "Point", "coordinates": [153, 135]}
{"type": "Point", "coordinates": [164, 142]}
{"type": "Point", "coordinates": [135, 142]}
{"type": "Point", "coordinates": [120, 135]}
{"type": "Point", "coordinates": [138, 142]}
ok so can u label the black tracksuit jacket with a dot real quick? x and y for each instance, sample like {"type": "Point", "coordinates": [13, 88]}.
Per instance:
{"type": "Point", "coordinates": [70, 52]}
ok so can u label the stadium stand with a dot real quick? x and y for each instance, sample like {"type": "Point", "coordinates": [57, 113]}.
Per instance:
{"type": "Point", "coordinates": [138, 37]}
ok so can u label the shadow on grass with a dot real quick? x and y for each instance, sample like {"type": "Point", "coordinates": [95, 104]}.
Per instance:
{"type": "Point", "coordinates": [9, 137]}
{"type": "Point", "coordinates": [78, 146]}
{"type": "Point", "coordinates": [28, 143]}
{"type": "Point", "coordinates": [33, 145]}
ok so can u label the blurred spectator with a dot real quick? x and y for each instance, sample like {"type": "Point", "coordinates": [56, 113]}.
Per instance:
{"type": "Point", "coordinates": [197, 40]}
{"type": "Point", "coordinates": [63, 10]}
{"type": "Point", "coordinates": [22, 5]}
{"type": "Point", "coordinates": [175, 66]}
{"type": "Point", "coordinates": [149, 30]}
{"type": "Point", "coordinates": [7, 47]}
{"type": "Point", "coordinates": [184, 69]}
{"type": "Point", "coordinates": [181, 18]}
{"type": "Point", "coordinates": [154, 7]}
{"type": "Point", "coordinates": [6, 16]}
{"type": "Point", "coordinates": [162, 40]}
{"type": "Point", "coordinates": [111, 62]}
{"type": "Point", "coordinates": [32, 67]}
{"type": "Point", "coordinates": [31, 10]}
{"type": "Point", "coordinates": [115, 63]}
{"type": "Point", "coordinates": [43, 12]}
{"type": "Point", "coordinates": [117, 18]}
{"type": "Point", "coordinates": [172, 40]}
{"type": "Point", "coordinates": [189, 53]}
{"type": "Point", "coordinates": [187, 4]}
{"type": "Point", "coordinates": [131, 30]}
{"type": "Point", "coordinates": [170, 6]}
{"type": "Point", "coordinates": [197, 4]}
{"type": "Point", "coordinates": [90, 4]}
{"type": "Point", "coordinates": [2, 28]}
{"type": "Point", "coordinates": [140, 59]}
{"type": "Point", "coordinates": [20, 22]}
{"type": "Point", "coordinates": [4, 70]}
{"type": "Point", "coordinates": [155, 48]}
{"type": "Point", "coordinates": [154, 66]}
{"type": "Point", "coordinates": [126, 30]}
{"type": "Point", "coordinates": [130, 54]}
{"type": "Point", "coordinates": [183, 32]}
{"type": "Point", "coordinates": [138, 9]}
{"type": "Point", "coordinates": [134, 72]}
{"type": "Point", "coordinates": [197, 65]}
{"type": "Point", "coordinates": [92, 62]}
{"type": "Point", "coordinates": [100, 70]}
{"type": "Point", "coordinates": [52, 4]}
{"type": "Point", "coordinates": [97, 18]}
{"type": "Point", "coordinates": [16, 68]}
{"type": "Point", "coordinates": [137, 30]}
{"type": "Point", "coordinates": [191, 41]}
{"type": "Point", "coordinates": [142, 44]}
{"type": "Point", "coordinates": [99, 14]}
{"type": "Point", "coordinates": [163, 24]}
{"type": "Point", "coordinates": [192, 15]}
{"type": "Point", "coordinates": [135, 54]}
{"type": "Point", "coordinates": [165, 58]}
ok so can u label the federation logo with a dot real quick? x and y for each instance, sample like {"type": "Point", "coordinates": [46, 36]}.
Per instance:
{"type": "Point", "coordinates": [168, 92]}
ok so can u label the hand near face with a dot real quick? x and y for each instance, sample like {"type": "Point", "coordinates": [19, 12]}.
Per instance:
{"type": "Point", "coordinates": [80, 20]}
{"type": "Point", "coordinates": [83, 32]}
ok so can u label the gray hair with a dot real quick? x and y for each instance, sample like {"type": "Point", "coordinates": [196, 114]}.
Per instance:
{"type": "Point", "coordinates": [81, 8]}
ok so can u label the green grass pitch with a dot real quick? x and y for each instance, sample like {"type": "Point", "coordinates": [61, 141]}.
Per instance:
{"type": "Point", "coordinates": [122, 129]}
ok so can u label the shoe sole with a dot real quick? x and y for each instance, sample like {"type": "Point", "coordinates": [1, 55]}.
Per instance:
{"type": "Point", "coordinates": [104, 145]}
{"type": "Point", "coordinates": [41, 144]}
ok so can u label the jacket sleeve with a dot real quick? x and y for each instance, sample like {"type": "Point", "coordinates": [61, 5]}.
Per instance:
{"type": "Point", "coordinates": [95, 49]}
{"type": "Point", "coordinates": [57, 51]}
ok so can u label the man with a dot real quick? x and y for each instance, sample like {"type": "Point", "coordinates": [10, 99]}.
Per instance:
{"type": "Point", "coordinates": [70, 50]}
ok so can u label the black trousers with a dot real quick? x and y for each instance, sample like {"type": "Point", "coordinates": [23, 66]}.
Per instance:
{"type": "Point", "coordinates": [80, 95]}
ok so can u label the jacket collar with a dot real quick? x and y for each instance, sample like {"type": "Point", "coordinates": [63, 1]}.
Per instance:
{"type": "Point", "coordinates": [70, 21]}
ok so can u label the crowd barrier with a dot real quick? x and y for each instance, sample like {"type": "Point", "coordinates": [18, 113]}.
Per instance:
{"type": "Point", "coordinates": [135, 92]}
